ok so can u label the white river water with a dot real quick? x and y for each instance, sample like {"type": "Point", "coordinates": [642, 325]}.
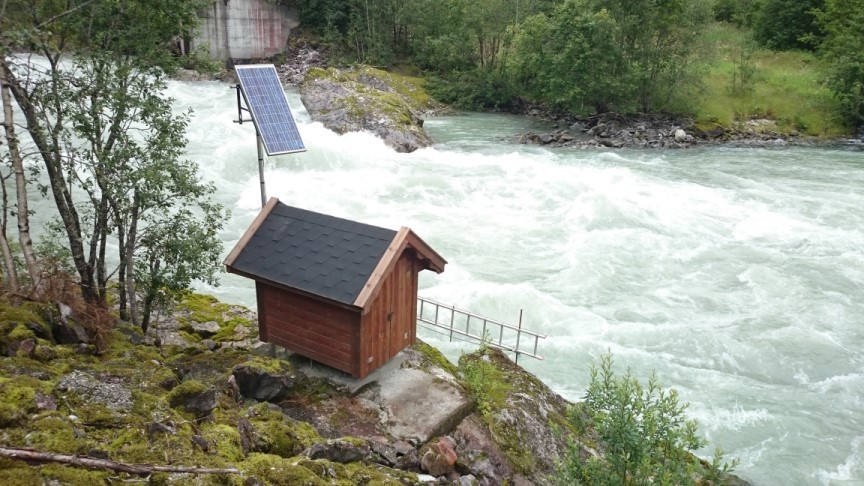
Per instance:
{"type": "Point", "coordinates": [736, 274]}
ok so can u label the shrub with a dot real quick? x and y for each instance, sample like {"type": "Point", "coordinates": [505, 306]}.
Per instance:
{"type": "Point", "coordinates": [643, 435]}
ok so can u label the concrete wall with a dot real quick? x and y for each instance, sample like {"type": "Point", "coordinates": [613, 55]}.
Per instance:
{"type": "Point", "coordinates": [244, 29]}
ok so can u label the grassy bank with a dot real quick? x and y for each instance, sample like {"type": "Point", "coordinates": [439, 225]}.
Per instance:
{"type": "Point", "coordinates": [744, 82]}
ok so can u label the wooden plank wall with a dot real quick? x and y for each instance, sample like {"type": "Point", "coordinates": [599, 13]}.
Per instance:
{"type": "Point", "coordinates": [383, 335]}
{"type": "Point", "coordinates": [320, 331]}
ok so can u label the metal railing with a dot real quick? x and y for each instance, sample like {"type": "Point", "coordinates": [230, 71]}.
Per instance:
{"type": "Point", "coordinates": [467, 326]}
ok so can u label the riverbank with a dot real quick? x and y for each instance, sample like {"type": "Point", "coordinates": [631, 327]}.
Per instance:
{"type": "Point", "coordinates": [616, 131]}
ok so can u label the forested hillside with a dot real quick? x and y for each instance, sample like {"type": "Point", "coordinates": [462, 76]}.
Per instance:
{"type": "Point", "coordinates": [800, 62]}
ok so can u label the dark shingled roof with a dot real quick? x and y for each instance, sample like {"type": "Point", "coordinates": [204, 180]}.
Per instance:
{"type": "Point", "coordinates": [320, 254]}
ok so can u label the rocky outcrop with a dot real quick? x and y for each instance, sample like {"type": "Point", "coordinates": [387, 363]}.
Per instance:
{"type": "Point", "coordinates": [278, 419]}
{"type": "Point", "coordinates": [367, 99]}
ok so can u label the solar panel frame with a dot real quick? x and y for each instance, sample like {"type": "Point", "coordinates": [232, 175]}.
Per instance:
{"type": "Point", "coordinates": [266, 101]}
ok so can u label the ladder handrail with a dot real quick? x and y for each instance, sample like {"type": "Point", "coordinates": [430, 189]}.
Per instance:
{"type": "Point", "coordinates": [422, 319]}
{"type": "Point", "coordinates": [491, 321]}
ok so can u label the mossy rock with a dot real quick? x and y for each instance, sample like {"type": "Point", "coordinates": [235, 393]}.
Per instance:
{"type": "Point", "coordinates": [279, 434]}
{"type": "Point", "coordinates": [18, 398]}
{"type": "Point", "coordinates": [185, 391]}
{"type": "Point", "coordinates": [436, 357]}
{"type": "Point", "coordinates": [276, 470]}
{"type": "Point", "coordinates": [22, 322]}
{"type": "Point", "coordinates": [223, 440]}
{"type": "Point", "coordinates": [279, 471]}
{"type": "Point", "coordinates": [205, 308]}
{"type": "Point", "coordinates": [527, 420]}
{"type": "Point", "coordinates": [368, 99]}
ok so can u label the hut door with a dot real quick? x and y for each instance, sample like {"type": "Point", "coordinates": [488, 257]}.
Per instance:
{"type": "Point", "coordinates": [393, 336]}
{"type": "Point", "coordinates": [403, 305]}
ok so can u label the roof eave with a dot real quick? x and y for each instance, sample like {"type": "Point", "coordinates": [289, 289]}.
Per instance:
{"type": "Point", "coordinates": [430, 257]}
{"type": "Point", "coordinates": [250, 231]}
{"type": "Point", "coordinates": [294, 290]}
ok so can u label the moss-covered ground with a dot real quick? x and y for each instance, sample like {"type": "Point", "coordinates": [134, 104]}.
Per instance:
{"type": "Point", "coordinates": [151, 430]}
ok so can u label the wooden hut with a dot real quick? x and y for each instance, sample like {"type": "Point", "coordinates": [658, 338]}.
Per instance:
{"type": "Point", "coordinates": [337, 291]}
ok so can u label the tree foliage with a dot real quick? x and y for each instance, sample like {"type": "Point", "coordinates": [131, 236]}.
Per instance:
{"type": "Point", "coordinates": [644, 435]}
{"type": "Point", "coordinates": [628, 56]}
{"type": "Point", "coordinates": [787, 24]}
{"type": "Point", "coordinates": [107, 138]}
{"type": "Point", "coordinates": [843, 49]}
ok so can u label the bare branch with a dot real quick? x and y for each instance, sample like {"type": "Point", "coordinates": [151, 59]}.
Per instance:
{"type": "Point", "coordinates": [94, 463]}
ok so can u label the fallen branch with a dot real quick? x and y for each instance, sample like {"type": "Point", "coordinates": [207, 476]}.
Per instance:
{"type": "Point", "coordinates": [94, 463]}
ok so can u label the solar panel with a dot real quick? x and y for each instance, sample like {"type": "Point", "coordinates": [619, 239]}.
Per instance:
{"type": "Point", "coordinates": [268, 105]}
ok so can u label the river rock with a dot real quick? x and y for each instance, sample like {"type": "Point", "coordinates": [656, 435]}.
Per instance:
{"type": "Point", "coordinates": [367, 99]}
{"type": "Point", "coordinates": [680, 136]}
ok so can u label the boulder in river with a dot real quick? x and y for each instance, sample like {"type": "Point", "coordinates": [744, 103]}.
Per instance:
{"type": "Point", "coordinates": [389, 105]}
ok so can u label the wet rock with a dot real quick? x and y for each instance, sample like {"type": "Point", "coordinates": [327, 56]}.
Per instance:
{"type": "Point", "coordinates": [262, 385]}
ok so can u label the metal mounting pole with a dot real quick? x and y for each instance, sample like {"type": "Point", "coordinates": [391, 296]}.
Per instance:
{"type": "Point", "coordinates": [261, 166]}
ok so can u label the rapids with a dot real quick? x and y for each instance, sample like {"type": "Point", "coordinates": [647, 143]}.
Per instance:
{"type": "Point", "coordinates": [737, 275]}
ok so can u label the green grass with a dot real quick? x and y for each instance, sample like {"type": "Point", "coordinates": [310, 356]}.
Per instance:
{"type": "Point", "coordinates": [786, 87]}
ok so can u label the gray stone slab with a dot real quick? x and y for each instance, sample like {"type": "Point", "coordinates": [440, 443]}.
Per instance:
{"type": "Point", "coordinates": [417, 400]}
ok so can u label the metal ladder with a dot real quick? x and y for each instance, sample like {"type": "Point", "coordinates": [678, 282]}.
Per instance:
{"type": "Point", "coordinates": [467, 326]}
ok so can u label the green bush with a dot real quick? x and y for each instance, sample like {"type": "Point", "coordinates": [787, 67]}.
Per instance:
{"type": "Point", "coordinates": [643, 435]}
{"type": "Point", "coordinates": [472, 90]}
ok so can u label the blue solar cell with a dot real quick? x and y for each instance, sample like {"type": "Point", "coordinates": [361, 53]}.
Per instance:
{"type": "Point", "coordinates": [271, 113]}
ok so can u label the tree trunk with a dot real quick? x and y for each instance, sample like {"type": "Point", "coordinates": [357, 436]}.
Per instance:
{"type": "Point", "coordinates": [150, 298]}
{"type": "Point", "coordinates": [8, 260]}
{"type": "Point", "coordinates": [51, 153]}
{"type": "Point", "coordinates": [15, 155]}
{"type": "Point", "coordinates": [22, 211]}
{"type": "Point", "coordinates": [129, 263]}
{"type": "Point", "coordinates": [121, 272]}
